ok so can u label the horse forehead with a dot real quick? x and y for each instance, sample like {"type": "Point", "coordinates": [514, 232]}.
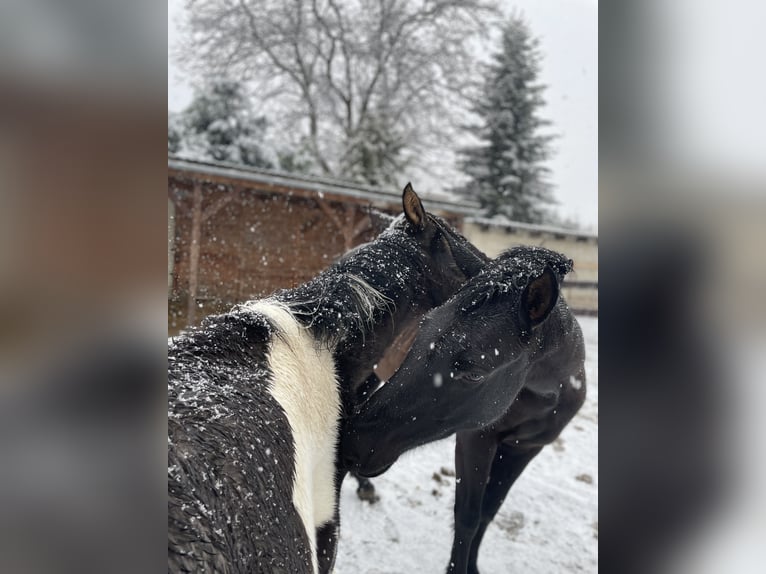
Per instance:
{"type": "Point", "coordinates": [507, 275]}
{"type": "Point", "coordinates": [455, 328]}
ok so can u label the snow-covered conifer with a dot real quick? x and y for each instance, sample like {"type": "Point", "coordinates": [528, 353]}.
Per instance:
{"type": "Point", "coordinates": [506, 169]}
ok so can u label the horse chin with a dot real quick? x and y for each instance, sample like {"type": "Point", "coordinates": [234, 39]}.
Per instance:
{"type": "Point", "coordinates": [373, 472]}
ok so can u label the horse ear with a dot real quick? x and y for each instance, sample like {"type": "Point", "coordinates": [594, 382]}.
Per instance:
{"type": "Point", "coordinates": [538, 299]}
{"type": "Point", "coordinates": [413, 208]}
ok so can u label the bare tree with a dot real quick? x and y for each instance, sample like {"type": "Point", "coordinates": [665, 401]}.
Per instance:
{"type": "Point", "coordinates": [365, 84]}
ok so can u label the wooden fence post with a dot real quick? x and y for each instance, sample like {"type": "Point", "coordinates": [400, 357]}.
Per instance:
{"type": "Point", "coordinates": [194, 249]}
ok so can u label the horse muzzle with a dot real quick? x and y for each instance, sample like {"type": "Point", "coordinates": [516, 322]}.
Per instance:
{"type": "Point", "coordinates": [368, 472]}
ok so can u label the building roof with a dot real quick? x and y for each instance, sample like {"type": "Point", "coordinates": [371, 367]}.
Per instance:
{"type": "Point", "coordinates": [517, 225]}
{"type": "Point", "coordinates": [338, 187]}
{"type": "Point", "coordinates": [317, 184]}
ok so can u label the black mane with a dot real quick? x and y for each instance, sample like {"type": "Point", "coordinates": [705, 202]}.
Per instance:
{"type": "Point", "coordinates": [343, 303]}
{"type": "Point", "coordinates": [510, 272]}
{"type": "Point", "coordinates": [533, 260]}
{"type": "Point", "coordinates": [468, 257]}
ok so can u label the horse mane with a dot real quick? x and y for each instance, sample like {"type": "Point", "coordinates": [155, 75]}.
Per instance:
{"type": "Point", "coordinates": [510, 272]}
{"type": "Point", "coordinates": [470, 264]}
{"type": "Point", "coordinates": [345, 302]}
{"type": "Point", "coordinates": [535, 259]}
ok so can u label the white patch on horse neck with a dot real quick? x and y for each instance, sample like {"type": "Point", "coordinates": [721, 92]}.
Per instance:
{"type": "Point", "coordinates": [305, 385]}
{"type": "Point", "coordinates": [575, 382]}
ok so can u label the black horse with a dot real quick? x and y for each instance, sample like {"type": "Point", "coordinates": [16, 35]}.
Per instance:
{"type": "Point", "coordinates": [502, 364]}
{"type": "Point", "coordinates": [256, 398]}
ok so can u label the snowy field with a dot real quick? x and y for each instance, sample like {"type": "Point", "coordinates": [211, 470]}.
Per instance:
{"type": "Point", "coordinates": [548, 523]}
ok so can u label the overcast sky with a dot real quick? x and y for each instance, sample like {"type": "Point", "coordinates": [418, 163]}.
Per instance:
{"type": "Point", "coordinates": [568, 31]}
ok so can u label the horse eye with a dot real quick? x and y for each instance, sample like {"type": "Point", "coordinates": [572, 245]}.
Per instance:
{"type": "Point", "coordinates": [472, 377]}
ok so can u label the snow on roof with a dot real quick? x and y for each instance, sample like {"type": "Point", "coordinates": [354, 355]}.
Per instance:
{"type": "Point", "coordinates": [319, 184]}
{"type": "Point", "coordinates": [505, 223]}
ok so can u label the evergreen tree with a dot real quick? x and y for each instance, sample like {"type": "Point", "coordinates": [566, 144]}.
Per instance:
{"type": "Point", "coordinates": [296, 160]}
{"type": "Point", "coordinates": [219, 125]}
{"type": "Point", "coordinates": [175, 133]}
{"type": "Point", "coordinates": [507, 172]}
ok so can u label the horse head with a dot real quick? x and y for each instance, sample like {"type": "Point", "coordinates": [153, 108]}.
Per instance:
{"type": "Point", "coordinates": [467, 363]}
{"type": "Point", "coordinates": [450, 258]}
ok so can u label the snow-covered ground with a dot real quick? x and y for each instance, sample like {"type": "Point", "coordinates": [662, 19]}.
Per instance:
{"type": "Point", "coordinates": [548, 523]}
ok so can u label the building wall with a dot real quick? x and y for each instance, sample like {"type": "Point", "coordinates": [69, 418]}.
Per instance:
{"type": "Point", "coordinates": [264, 240]}
{"type": "Point", "coordinates": [580, 290]}
{"type": "Point", "coordinates": [254, 245]}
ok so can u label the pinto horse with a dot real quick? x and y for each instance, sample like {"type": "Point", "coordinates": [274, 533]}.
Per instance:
{"type": "Point", "coordinates": [502, 364]}
{"type": "Point", "coordinates": [256, 397]}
